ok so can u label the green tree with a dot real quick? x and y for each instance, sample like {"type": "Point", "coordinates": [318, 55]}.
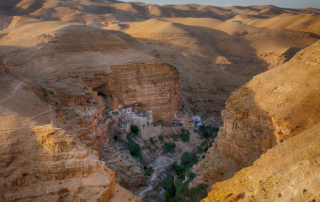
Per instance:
{"type": "Point", "coordinates": [189, 159]}
{"type": "Point", "coordinates": [169, 147]}
{"type": "Point", "coordinates": [135, 129]}
{"type": "Point", "coordinates": [182, 190]}
{"type": "Point", "coordinates": [185, 136]}
{"type": "Point", "coordinates": [134, 148]}
{"type": "Point", "coordinates": [208, 131]}
{"type": "Point", "coordinates": [180, 170]}
{"type": "Point", "coordinates": [191, 175]}
{"type": "Point", "coordinates": [196, 194]}
{"type": "Point", "coordinates": [168, 185]}
{"type": "Point", "coordinates": [161, 138]}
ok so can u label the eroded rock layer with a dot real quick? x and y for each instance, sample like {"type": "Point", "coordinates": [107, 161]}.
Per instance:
{"type": "Point", "coordinates": [85, 64]}
{"type": "Point", "coordinates": [140, 85]}
{"type": "Point", "coordinates": [287, 172]}
{"type": "Point", "coordinates": [268, 110]}
{"type": "Point", "coordinates": [43, 163]}
{"type": "Point", "coordinates": [64, 80]}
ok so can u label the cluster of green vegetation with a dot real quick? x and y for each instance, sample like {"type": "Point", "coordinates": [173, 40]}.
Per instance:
{"type": "Point", "coordinates": [199, 149]}
{"type": "Point", "coordinates": [185, 135]}
{"type": "Point", "coordinates": [187, 161]}
{"type": "Point", "coordinates": [208, 131]}
{"type": "Point", "coordinates": [160, 137]}
{"type": "Point", "coordinates": [180, 192]}
{"type": "Point", "coordinates": [148, 170]}
{"type": "Point", "coordinates": [135, 129]}
{"type": "Point", "coordinates": [169, 148]}
{"type": "Point", "coordinates": [134, 148]}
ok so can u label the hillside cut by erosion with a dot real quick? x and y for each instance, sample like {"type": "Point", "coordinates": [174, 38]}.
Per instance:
{"type": "Point", "coordinates": [58, 83]}
{"type": "Point", "coordinates": [272, 125]}
{"type": "Point", "coordinates": [102, 100]}
{"type": "Point", "coordinates": [215, 49]}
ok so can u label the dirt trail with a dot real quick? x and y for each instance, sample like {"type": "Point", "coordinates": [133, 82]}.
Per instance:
{"type": "Point", "coordinates": [13, 92]}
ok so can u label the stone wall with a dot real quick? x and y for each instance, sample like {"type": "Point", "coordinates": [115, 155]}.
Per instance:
{"type": "Point", "coordinates": [151, 131]}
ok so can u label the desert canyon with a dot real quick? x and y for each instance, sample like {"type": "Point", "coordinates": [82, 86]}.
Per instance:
{"type": "Point", "coordinates": [126, 101]}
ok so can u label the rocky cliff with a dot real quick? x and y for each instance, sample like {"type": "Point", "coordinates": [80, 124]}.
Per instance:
{"type": "Point", "coordinates": [140, 85]}
{"type": "Point", "coordinates": [268, 110]}
{"type": "Point", "coordinates": [70, 76]}
{"type": "Point", "coordinates": [287, 172]}
{"type": "Point", "coordinates": [43, 162]}
{"type": "Point", "coordinates": [216, 50]}
{"type": "Point", "coordinates": [82, 62]}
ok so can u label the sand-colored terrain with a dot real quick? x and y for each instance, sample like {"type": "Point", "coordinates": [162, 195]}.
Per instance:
{"type": "Point", "coordinates": [65, 64]}
{"type": "Point", "coordinates": [267, 111]}
{"type": "Point", "coordinates": [216, 50]}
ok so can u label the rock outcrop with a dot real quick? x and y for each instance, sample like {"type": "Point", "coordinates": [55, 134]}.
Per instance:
{"type": "Point", "coordinates": [43, 163]}
{"type": "Point", "coordinates": [87, 73]}
{"type": "Point", "coordinates": [215, 57]}
{"type": "Point", "coordinates": [287, 172]}
{"type": "Point", "coordinates": [216, 50]}
{"type": "Point", "coordinates": [128, 174]}
{"type": "Point", "coordinates": [140, 85]}
{"type": "Point", "coordinates": [92, 63]}
{"type": "Point", "coordinates": [268, 110]}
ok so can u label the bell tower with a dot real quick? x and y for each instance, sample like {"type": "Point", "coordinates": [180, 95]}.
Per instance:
{"type": "Point", "coordinates": [149, 116]}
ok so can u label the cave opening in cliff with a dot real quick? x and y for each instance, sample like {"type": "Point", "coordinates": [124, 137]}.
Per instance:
{"type": "Point", "coordinates": [100, 92]}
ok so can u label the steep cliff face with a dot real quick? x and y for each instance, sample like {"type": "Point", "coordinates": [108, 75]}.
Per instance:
{"type": "Point", "coordinates": [268, 110]}
{"type": "Point", "coordinates": [44, 163]}
{"type": "Point", "coordinates": [140, 85]}
{"type": "Point", "coordinates": [215, 57]}
{"type": "Point", "coordinates": [78, 74]}
{"type": "Point", "coordinates": [216, 50]}
{"type": "Point", "coordinates": [287, 172]}
{"type": "Point", "coordinates": [82, 62]}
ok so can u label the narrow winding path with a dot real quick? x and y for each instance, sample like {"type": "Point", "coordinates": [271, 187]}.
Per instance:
{"type": "Point", "coordinates": [40, 114]}
{"type": "Point", "coordinates": [13, 92]}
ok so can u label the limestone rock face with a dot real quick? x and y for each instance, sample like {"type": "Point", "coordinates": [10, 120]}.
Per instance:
{"type": "Point", "coordinates": [268, 110]}
{"type": "Point", "coordinates": [84, 64]}
{"type": "Point", "coordinates": [287, 172]}
{"type": "Point", "coordinates": [128, 174]}
{"type": "Point", "coordinates": [43, 163]}
{"type": "Point", "coordinates": [47, 83]}
{"type": "Point", "coordinates": [216, 50]}
{"type": "Point", "coordinates": [140, 85]}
